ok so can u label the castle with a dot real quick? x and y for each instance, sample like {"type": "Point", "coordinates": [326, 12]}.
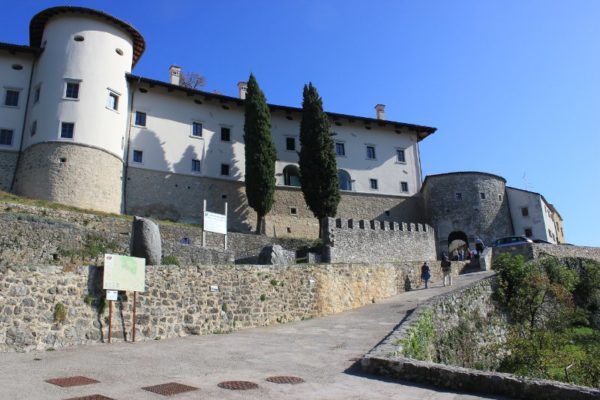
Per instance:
{"type": "Point", "coordinates": [77, 127]}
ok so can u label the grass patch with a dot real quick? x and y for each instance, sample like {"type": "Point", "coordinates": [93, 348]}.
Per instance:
{"type": "Point", "coordinates": [60, 313]}
{"type": "Point", "coordinates": [170, 260]}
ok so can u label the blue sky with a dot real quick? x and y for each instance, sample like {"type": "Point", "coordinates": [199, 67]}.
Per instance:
{"type": "Point", "coordinates": [513, 86]}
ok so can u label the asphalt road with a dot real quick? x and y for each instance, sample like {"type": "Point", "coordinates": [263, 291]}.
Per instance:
{"type": "Point", "coordinates": [325, 352]}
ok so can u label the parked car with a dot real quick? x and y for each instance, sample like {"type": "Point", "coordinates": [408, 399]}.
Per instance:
{"type": "Point", "coordinates": [512, 241]}
{"type": "Point", "coordinates": [541, 241]}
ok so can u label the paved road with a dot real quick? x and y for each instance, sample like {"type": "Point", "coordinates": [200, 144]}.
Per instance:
{"type": "Point", "coordinates": [322, 351]}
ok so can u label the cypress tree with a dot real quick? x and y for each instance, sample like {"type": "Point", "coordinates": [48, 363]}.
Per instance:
{"type": "Point", "coordinates": [260, 154]}
{"type": "Point", "coordinates": [318, 168]}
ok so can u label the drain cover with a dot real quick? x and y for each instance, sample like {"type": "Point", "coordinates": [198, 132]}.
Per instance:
{"type": "Point", "coordinates": [292, 380]}
{"type": "Point", "coordinates": [72, 381]}
{"type": "Point", "coordinates": [238, 385]}
{"type": "Point", "coordinates": [92, 397]}
{"type": "Point", "coordinates": [169, 389]}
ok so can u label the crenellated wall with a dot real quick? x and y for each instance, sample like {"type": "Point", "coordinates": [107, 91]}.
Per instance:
{"type": "Point", "coordinates": [350, 240]}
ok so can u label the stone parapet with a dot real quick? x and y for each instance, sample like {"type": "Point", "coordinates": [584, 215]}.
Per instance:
{"type": "Point", "coordinates": [8, 165]}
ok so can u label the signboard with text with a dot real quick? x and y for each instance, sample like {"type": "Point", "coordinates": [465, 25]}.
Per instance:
{"type": "Point", "coordinates": [214, 222]}
{"type": "Point", "coordinates": [124, 273]}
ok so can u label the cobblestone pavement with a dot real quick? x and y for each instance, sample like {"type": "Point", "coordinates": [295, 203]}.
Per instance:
{"type": "Point", "coordinates": [325, 352]}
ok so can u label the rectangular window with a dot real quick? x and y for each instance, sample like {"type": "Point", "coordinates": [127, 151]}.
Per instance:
{"type": "Point", "coordinates": [524, 211]}
{"type": "Point", "coordinates": [36, 94]}
{"type": "Point", "coordinates": [340, 149]}
{"type": "Point", "coordinates": [225, 169]}
{"type": "Point", "coordinates": [138, 156]}
{"type": "Point", "coordinates": [404, 187]}
{"type": "Point", "coordinates": [458, 196]}
{"type": "Point", "coordinates": [482, 195]}
{"type": "Point", "coordinates": [112, 102]}
{"type": "Point", "coordinates": [140, 118]}
{"type": "Point", "coordinates": [12, 98]}
{"type": "Point", "coordinates": [290, 143]}
{"type": "Point", "coordinates": [373, 184]}
{"type": "Point", "coordinates": [67, 129]}
{"type": "Point", "coordinates": [225, 134]}
{"type": "Point", "coordinates": [371, 153]}
{"type": "Point", "coordinates": [6, 137]}
{"type": "Point", "coordinates": [33, 129]}
{"type": "Point", "coordinates": [528, 232]}
{"type": "Point", "coordinates": [197, 129]}
{"type": "Point", "coordinates": [196, 165]}
{"type": "Point", "coordinates": [72, 90]}
{"type": "Point", "coordinates": [400, 156]}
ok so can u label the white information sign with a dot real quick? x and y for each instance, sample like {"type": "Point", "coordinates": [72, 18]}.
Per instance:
{"type": "Point", "coordinates": [112, 295]}
{"type": "Point", "coordinates": [214, 222]}
{"type": "Point", "coordinates": [124, 273]}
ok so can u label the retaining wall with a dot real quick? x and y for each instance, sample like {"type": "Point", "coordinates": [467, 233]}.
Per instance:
{"type": "Point", "coordinates": [536, 250]}
{"type": "Point", "coordinates": [350, 240]}
{"type": "Point", "coordinates": [8, 165]}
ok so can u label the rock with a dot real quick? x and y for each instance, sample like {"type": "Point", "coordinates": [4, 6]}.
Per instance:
{"type": "Point", "coordinates": [145, 241]}
{"type": "Point", "coordinates": [276, 255]}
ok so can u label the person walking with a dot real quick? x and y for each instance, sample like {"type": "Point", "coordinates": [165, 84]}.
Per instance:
{"type": "Point", "coordinates": [479, 246]}
{"type": "Point", "coordinates": [425, 273]}
{"type": "Point", "coordinates": [447, 270]}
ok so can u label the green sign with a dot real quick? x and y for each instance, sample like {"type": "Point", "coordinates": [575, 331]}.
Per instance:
{"type": "Point", "coordinates": [124, 273]}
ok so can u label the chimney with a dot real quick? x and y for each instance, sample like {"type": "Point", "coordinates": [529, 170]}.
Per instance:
{"type": "Point", "coordinates": [174, 74]}
{"type": "Point", "coordinates": [242, 89]}
{"type": "Point", "coordinates": [380, 109]}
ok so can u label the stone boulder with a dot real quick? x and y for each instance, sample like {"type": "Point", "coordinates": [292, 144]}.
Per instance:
{"type": "Point", "coordinates": [276, 255]}
{"type": "Point", "coordinates": [145, 241]}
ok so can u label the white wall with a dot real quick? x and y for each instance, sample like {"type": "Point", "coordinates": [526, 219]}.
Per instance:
{"type": "Point", "coordinates": [12, 117]}
{"type": "Point", "coordinates": [167, 143]}
{"type": "Point", "coordinates": [96, 63]}
{"type": "Point", "coordinates": [539, 219]}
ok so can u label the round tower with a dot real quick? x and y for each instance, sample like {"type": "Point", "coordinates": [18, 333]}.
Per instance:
{"type": "Point", "coordinates": [467, 205]}
{"type": "Point", "coordinates": [76, 128]}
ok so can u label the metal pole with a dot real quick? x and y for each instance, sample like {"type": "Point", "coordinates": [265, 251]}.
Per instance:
{"type": "Point", "coordinates": [226, 226]}
{"type": "Point", "coordinates": [109, 320]}
{"type": "Point", "coordinates": [203, 224]}
{"type": "Point", "coordinates": [134, 301]}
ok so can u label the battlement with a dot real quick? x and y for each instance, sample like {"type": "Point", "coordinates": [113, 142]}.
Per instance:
{"type": "Point", "coordinates": [360, 240]}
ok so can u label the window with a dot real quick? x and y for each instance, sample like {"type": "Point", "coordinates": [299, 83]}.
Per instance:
{"type": "Point", "coordinates": [290, 143]}
{"type": "Point", "coordinates": [138, 156]}
{"type": "Point", "coordinates": [67, 129]}
{"type": "Point", "coordinates": [293, 211]}
{"type": "Point", "coordinates": [404, 187]}
{"type": "Point", "coordinates": [373, 184]}
{"type": "Point", "coordinates": [344, 179]}
{"type": "Point", "coordinates": [112, 102]}
{"type": "Point", "coordinates": [458, 196]}
{"type": "Point", "coordinates": [528, 232]}
{"type": "Point", "coordinates": [524, 211]}
{"type": "Point", "coordinates": [225, 169]}
{"type": "Point", "coordinates": [400, 156]}
{"type": "Point", "coordinates": [33, 129]}
{"type": "Point", "coordinates": [482, 195]}
{"type": "Point", "coordinates": [36, 94]}
{"type": "Point", "coordinates": [140, 118]}
{"type": "Point", "coordinates": [12, 98]}
{"type": "Point", "coordinates": [370, 152]}
{"type": "Point", "coordinates": [72, 90]}
{"type": "Point", "coordinates": [499, 197]}
{"type": "Point", "coordinates": [225, 134]}
{"type": "Point", "coordinates": [340, 149]}
{"type": "Point", "coordinates": [6, 137]}
{"type": "Point", "coordinates": [195, 165]}
{"type": "Point", "coordinates": [197, 129]}
{"type": "Point", "coordinates": [291, 176]}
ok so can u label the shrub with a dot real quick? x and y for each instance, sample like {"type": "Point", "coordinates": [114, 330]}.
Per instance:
{"type": "Point", "coordinates": [170, 260]}
{"type": "Point", "coordinates": [60, 313]}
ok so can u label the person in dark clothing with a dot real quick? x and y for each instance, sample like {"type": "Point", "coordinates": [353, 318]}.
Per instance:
{"type": "Point", "coordinates": [425, 273]}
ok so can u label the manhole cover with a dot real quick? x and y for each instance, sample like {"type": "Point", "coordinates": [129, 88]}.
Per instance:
{"type": "Point", "coordinates": [238, 385]}
{"type": "Point", "coordinates": [169, 389]}
{"type": "Point", "coordinates": [92, 397]}
{"type": "Point", "coordinates": [72, 381]}
{"type": "Point", "coordinates": [292, 380]}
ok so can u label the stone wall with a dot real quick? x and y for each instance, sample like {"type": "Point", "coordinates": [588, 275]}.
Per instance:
{"type": "Point", "coordinates": [181, 301]}
{"type": "Point", "coordinates": [532, 251]}
{"type": "Point", "coordinates": [72, 174]}
{"type": "Point", "coordinates": [8, 164]}
{"type": "Point", "coordinates": [349, 240]}
{"type": "Point", "coordinates": [471, 313]}
{"type": "Point", "coordinates": [179, 197]}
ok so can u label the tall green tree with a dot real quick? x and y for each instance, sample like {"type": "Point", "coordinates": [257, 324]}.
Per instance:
{"type": "Point", "coordinates": [260, 154]}
{"type": "Point", "coordinates": [318, 168]}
